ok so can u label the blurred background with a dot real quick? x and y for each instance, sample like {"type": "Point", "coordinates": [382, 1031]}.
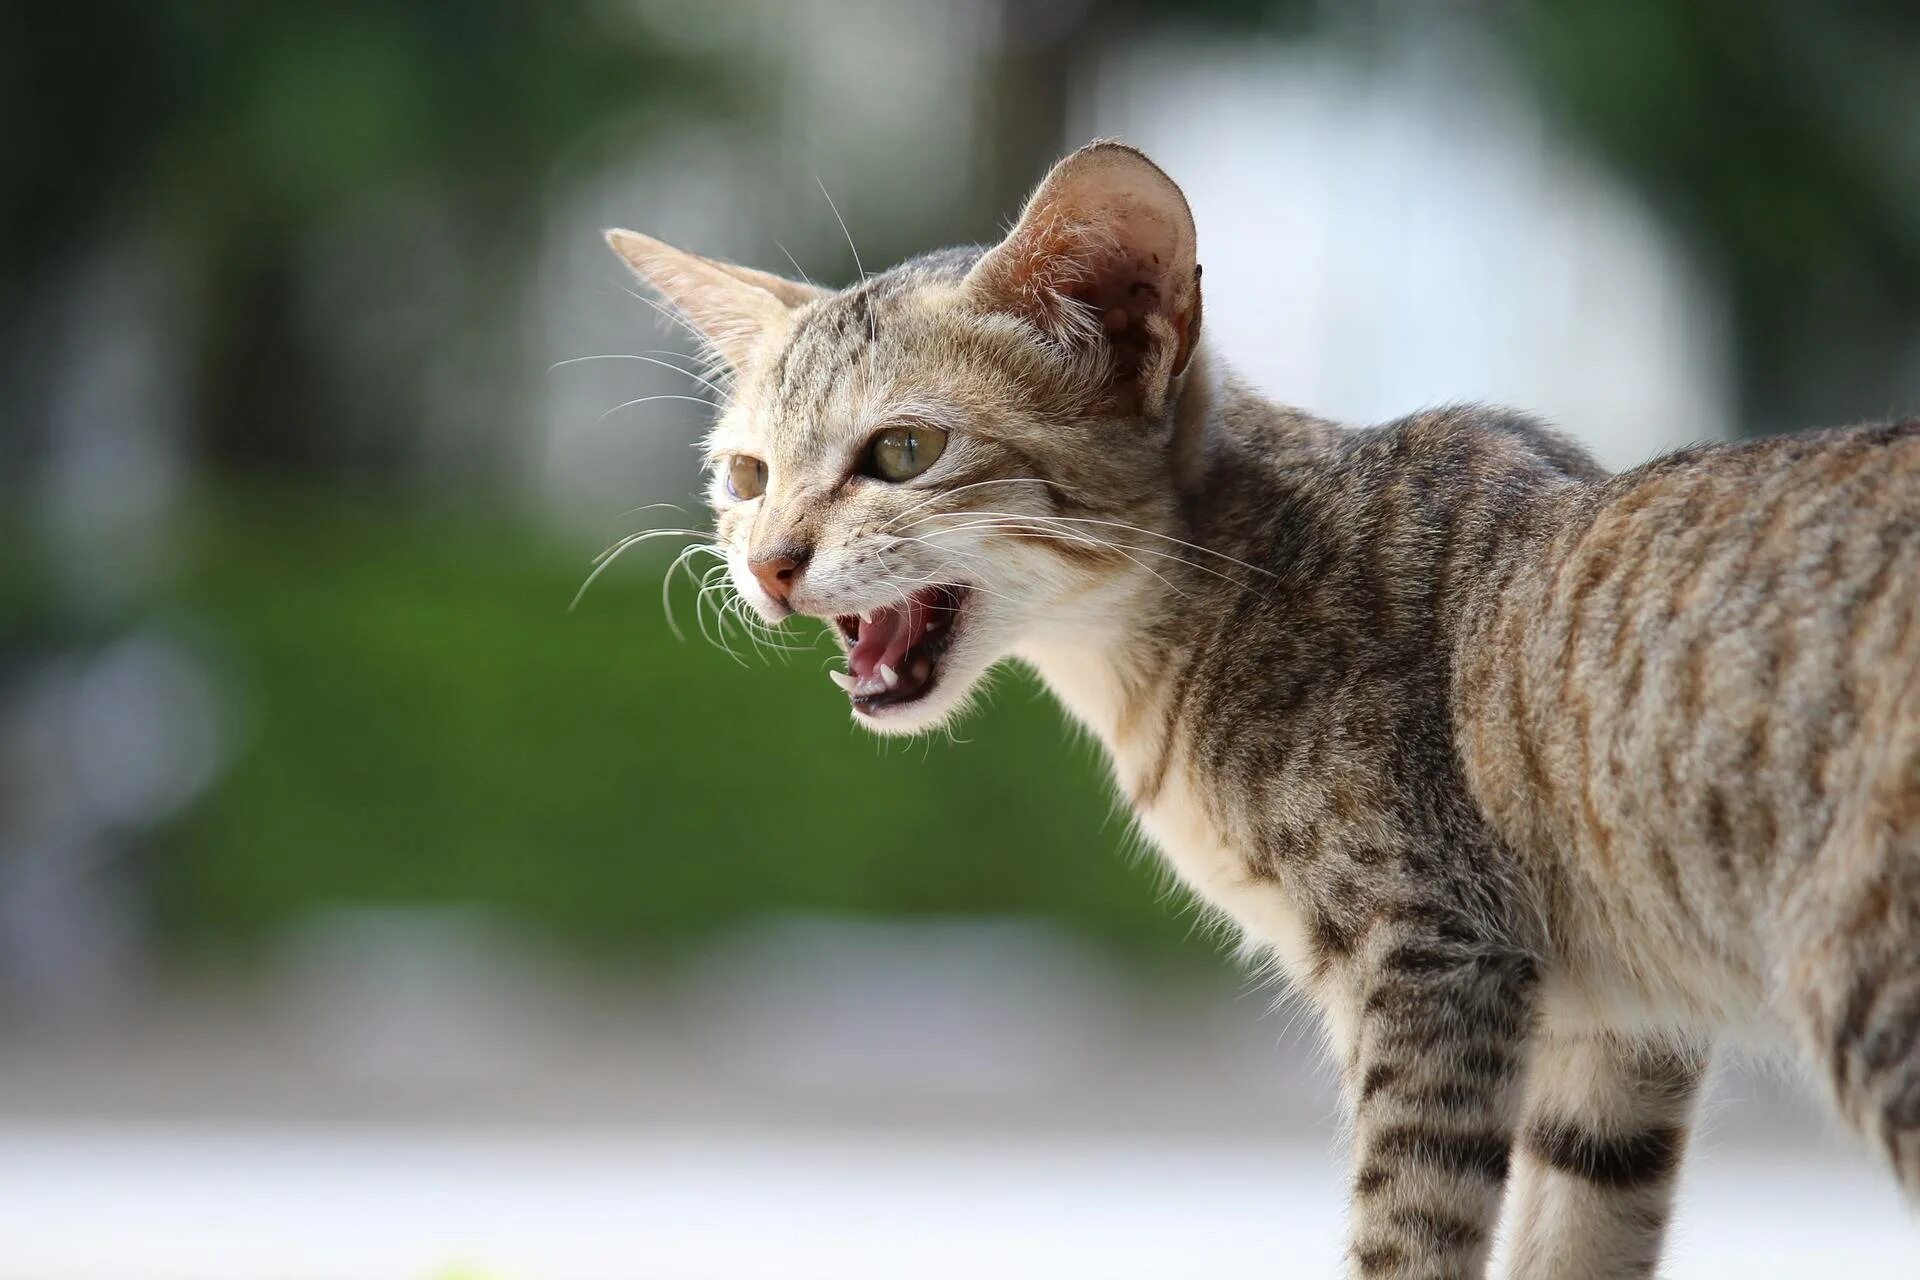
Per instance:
{"type": "Point", "coordinates": [364, 912]}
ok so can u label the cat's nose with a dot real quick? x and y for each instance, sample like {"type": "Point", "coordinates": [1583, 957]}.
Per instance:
{"type": "Point", "coordinates": [779, 570]}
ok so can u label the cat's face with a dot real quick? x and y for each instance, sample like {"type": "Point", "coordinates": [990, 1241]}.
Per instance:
{"type": "Point", "coordinates": [940, 460]}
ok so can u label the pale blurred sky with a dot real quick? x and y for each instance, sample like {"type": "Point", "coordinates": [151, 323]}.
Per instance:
{"type": "Point", "coordinates": [1380, 235]}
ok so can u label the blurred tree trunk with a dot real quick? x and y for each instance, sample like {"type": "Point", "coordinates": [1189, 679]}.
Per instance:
{"type": "Point", "coordinates": [259, 392]}
{"type": "Point", "coordinates": [1043, 49]}
{"type": "Point", "coordinates": [1779, 138]}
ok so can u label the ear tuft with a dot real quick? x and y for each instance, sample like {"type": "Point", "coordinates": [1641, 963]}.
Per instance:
{"type": "Point", "coordinates": [736, 309]}
{"type": "Point", "coordinates": [1102, 261]}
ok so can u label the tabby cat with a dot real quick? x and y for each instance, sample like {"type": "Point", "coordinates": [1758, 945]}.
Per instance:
{"type": "Point", "coordinates": [1536, 780]}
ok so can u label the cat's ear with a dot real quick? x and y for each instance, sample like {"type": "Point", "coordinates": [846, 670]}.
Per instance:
{"type": "Point", "coordinates": [1102, 261]}
{"type": "Point", "coordinates": [736, 309]}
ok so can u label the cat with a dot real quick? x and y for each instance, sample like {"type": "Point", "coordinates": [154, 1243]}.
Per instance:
{"type": "Point", "coordinates": [1537, 781]}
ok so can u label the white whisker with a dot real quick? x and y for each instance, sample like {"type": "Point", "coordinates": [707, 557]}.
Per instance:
{"type": "Point", "coordinates": [708, 383]}
{"type": "Point", "coordinates": [798, 269]}
{"type": "Point", "coordinates": [606, 558]}
{"type": "Point", "coordinates": [1021, 530]}
{"type": "Point", "coordinates": [843, 226]}
{"type": "Point", "coordinates": [645, 535]}
{"type": "Point", "coordinates": [683, 560]}
{"type": "Point", "coordinates": [649, 400]}
{"type": "Point", "coordinates": [896, 579]}
{"type": "Point", "coordinates": [716, 635]}
{"type": "Point", "coordinates": [1131, 528]}
{"type": "Point", "coordinates": [652, 506]}
{"type": "Point", "coordinates": [671, 317]}
{"type": "Point", "coordinates": [959, 489]}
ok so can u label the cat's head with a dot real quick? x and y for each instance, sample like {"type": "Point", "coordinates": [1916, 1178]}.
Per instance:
{"type": "Point", "coordinates": [943, 459]}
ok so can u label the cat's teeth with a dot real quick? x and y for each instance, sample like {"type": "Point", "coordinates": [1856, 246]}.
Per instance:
{"type": "Point", "coordinates": [866, 615]}
{"type": "Point", "coordinates": [889, 676]}
{"type": "Point", "coordinates": [920, 668]}
{"type": "Point", "coordinates": [841, 678]}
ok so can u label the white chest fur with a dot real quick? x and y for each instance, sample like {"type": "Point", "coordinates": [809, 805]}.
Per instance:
{"type": "Point", "coordinates": [1207, 863]}
{"type": "Point", "coordinates": [1176, 818]}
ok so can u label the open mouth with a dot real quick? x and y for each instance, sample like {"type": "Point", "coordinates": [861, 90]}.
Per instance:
{"type": "Point", "coordinates": [893, 653]}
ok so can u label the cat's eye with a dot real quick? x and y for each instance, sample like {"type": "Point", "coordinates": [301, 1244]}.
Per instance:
{"type": "Point", "coordinates": [746, 477]}
{"type": "Point", "coordinates": [901, 453]}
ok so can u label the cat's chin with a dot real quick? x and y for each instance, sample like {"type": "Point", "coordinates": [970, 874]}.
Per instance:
{"type": "Point", "coordinates": [940, 703]}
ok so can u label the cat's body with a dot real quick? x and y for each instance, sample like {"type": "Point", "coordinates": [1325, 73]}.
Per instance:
{"type": "Point", "coordinates": [1414, 759]}
{"type": "Point", "coordinates": [1533, 779]}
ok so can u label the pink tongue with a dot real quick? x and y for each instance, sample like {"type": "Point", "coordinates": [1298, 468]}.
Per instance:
{"type": "Point", "coordinates": [887, 638]}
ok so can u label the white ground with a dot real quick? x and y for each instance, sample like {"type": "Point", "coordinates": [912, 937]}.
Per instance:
{"type": "Point", "coordinates": [233, 1201]}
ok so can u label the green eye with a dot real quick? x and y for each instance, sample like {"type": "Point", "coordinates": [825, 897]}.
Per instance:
{"type": "Point", "coordinates": [746, 477]}
{"type": "Point", "coordinates": [901, 453]}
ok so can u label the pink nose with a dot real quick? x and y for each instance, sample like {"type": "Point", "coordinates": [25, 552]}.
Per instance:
{"type": "Point", "coordinates": [779, 571]}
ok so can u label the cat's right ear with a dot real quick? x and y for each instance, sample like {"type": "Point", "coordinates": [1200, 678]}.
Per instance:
{"type": "Point", "coordinates": [736, 309]}
{"type": "Point", "coordinates": [1102, 262]}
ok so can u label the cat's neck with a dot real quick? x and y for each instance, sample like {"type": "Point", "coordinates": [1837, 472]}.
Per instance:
{"type": "Point", "coordinates": [1098, 674]}
{"type": "Point", "coordinates": [1108, 654]}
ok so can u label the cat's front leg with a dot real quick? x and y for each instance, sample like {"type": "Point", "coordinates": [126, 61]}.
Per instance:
{"type": "Point", "coordinates": [1439, 1039]}
{"type": "Point", "coordinates": [1606, 1120]}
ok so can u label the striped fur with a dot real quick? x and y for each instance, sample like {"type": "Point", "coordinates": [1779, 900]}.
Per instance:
{"type": "Point", "coordinates": [1600, 1147]}
{"type": "Point", "coordinates": [1535, 780]}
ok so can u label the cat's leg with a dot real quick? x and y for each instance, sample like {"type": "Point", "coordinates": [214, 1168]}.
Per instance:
{"type": "Point", "coordinates": [1594, 1170]}
{"type": "Point", "coordinates": [1437, 1039]}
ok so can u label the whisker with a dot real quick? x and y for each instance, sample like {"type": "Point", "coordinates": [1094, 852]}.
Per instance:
{"type": "Point", "coordinates": [653, 360]}
{"type": "Point", "coordinates": [652, 506]}
{"type": "Point", "coordinates": [666, 589]}
{"type": "Point", "coordinates": [1182, 560]}
{"type": "Point", "coordinates": [798, 269]}
{"type": "Point", "coordinates": [714, 372]}
{"type": "Point", "coordinates": [843, 225]}
{"type": "Point", "coordinates": [606, 558]}
{"type": "Point", "coordinates": [773, 637]}
{"type": "Point", "coordinates": [561, 364]}
{"type": "Point", "coordinates": [649, 400]}
{"type": "Point", "coordinates": [716, 635]}
{"type": "Point", "coordinates": [645, 535]}
{"type": "Point", "coordinates": [1020, 530]}
{"type": "Point", "coordinates": [728, 608]}
{"type": "Point", "coordinates": [895, 578]}
{"type": "Point", "coordinates": [671, 317]}
{"type": "Point", "coordinates": [683, 561]}
{"type": "Point", "coordinates": [1131, 528]}
{"type": "Point", "coordinates": [959, 489]}
{"type": "Point", "coordinates": [1029, 526]}
{"type": "Point", "coordinates": [711, 365]}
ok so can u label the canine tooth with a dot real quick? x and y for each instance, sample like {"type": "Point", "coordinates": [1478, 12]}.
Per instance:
{"type": "Point", "coordinates": [889, 676]}
{"type": "Point", "coordinates": [841, 678]}
{"type": "Point", "coordinates": [866, 615]}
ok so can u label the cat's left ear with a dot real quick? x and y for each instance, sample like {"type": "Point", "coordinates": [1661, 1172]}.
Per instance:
{"type": "Point", "coordinates": [1102, 262]}
{"type": "Point", "coordinates": [736, 309]}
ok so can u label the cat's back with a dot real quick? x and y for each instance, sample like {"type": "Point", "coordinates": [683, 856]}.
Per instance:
{"type": "Point", "coordinates": [1687, 686]}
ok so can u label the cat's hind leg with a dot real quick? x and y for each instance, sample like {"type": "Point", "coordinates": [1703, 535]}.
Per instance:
{"type": "Point", "coordinates": [1599, 1151]}
{"type": "Point", "coordinates": [1852, 976]}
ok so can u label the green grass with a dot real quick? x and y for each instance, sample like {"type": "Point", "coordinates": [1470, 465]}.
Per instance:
{"type": "Point", "coordinates": [421, 720]}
